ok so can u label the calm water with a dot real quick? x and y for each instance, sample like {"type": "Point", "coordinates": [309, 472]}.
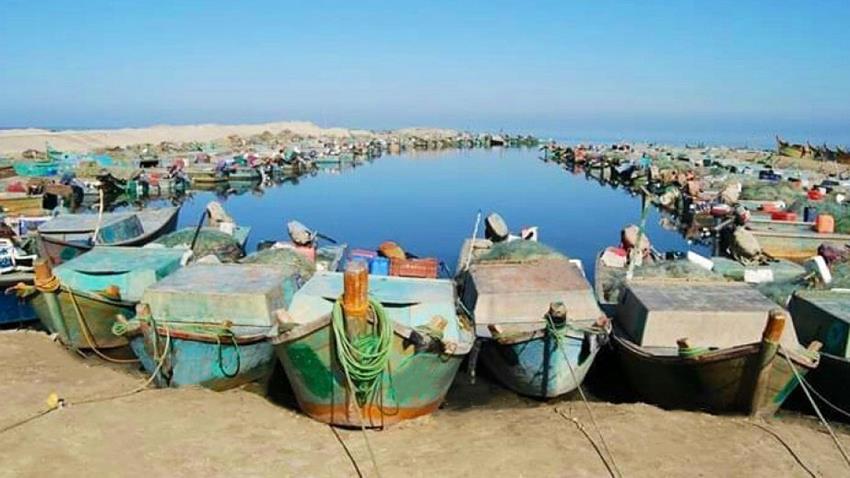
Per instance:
{"type": "Point", "coordinates": [427, 202]}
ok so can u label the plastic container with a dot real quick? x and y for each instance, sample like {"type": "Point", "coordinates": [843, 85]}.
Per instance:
{"type": "Point", "coordinates": [379, 266]}
{"type": "Point", "coordinates": [825, 224]}
{"type": "Point", "coordinates": [419, 268]}
{"type": "Point", "coordinates": [815, 195]}
{"type": "Point", "coordinates": [770, 207]}
{"type": "Point", "coordinates": [810, 214]}
{"type": "Point", "coordinates": [364, 254]}
{"type": "Point", "coordinates": [783, 216]}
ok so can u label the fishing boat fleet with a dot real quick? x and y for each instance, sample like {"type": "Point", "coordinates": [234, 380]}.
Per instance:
{"type": "Point", "coordinates": [368, 337]}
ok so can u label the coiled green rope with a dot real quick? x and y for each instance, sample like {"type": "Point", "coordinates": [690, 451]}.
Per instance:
{"type": "Point", "coordinates": [364, 358]}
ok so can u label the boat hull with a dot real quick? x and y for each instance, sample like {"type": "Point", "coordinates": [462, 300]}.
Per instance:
{"type": "Point", "coordinates": [539, 367]}
{"type": "Point", "coordinates": [97, 315]}
{"type": "Point", "coordinates": [718, 381]}
{"type": "Point", "coordinates": [193, 360]}
{"type": "Point", "coordinates": [415, 385]}
{"type": "Point", "coordinates": [796, 246]}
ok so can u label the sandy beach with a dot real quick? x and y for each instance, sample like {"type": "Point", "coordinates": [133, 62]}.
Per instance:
{"type": "Point", "coordinates": [481, 430]}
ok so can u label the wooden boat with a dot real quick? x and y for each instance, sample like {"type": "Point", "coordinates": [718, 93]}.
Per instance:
{"type": "Point", "coordinates": [426, 342]}
{"type": "Point", "coordinates": [524, 345]}
{"type": "Point", "coordinates": [792, 150]}
{"type": "Point", "coordinates": [208, 324]}
{"type": "Point", "coordinates": [205, 176]}
{"type": "Point", "coordinates": [244, 174]}
{"type": "Point", "coordinates": [842, 156]}
{"type": "Point", "coordinates": [824, 315]}
{"type": "Point", "coordinates": [793, 240]}
{"type": "Point", "coordinates": [69, 235]}
{"type": "Point", "coordinates": [84, 295]}
{"type": "Point", "coordinates": [21, 203]}
{"type": "Point", "coordinates": [13, 309]}
{"type": "Point", "coordinates": [7, 169]}
{"type": "Point", "coordinates": [706, 347]}
{"type": "Point", "coordinates": [36, 168]}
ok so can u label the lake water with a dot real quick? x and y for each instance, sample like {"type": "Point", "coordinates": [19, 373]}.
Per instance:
{"type": "Point", "coordinates": [428, 201]}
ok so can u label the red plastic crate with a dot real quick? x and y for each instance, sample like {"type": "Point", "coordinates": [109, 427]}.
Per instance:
{"type": "Point", "coordinates": [419, 268]}
{"type": "Point", "coordinates": [783, 216]}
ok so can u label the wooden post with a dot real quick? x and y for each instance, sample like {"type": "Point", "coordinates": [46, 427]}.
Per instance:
{"type": "Point", "coordinates": [355, 298]}
{"type": "Point", "coordinates": [43, 274]}
{"type": "Point", "coordinates": [764, 362]}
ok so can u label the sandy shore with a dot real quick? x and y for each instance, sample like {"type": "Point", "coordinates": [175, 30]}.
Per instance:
{"type": "Point", "coordinates": [481, 431]}
{"type": "Point", "coordinates": [17, 140]}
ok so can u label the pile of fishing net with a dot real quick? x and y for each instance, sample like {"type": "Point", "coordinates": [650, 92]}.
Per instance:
{"type": "Point", "coordinates": [519, 251]}
{"type": "Point", "coordinates": [767, 191]}
{"type": "Point", "coordinates": [780, 291]}
{"type": "Point", "coordinates": [210, 242]}
{"type": "Point", "coordinates": [615, 280]}
{"type": "Point", "coordinates": [285, 259]}
{"type": "Point", "coordinates": [733, 270]}
{"type": "Point", "coordinates": [840, 212]}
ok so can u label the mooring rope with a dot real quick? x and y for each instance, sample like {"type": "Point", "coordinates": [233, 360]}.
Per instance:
{"type": "Point", "coordinates": [612, 468]}
{"type": "Point", "coordinates": [786, 445]}
{"type": "Point", "coordinates": [815, 407]}
{"type": "Point", "coordinates": [84, 328]}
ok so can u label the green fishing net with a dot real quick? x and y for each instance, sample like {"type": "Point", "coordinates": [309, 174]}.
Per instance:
{"type": "Point", "coordinates": [840, 212]}
{"type": "Point", "coordinates": [766, 191]}
{"type": "Point", "coordinates": [210, 241]}
{"type": "Point", "coordinates": [734, 270]}
{"type": "Point", "coordinates": [519, 251]}
{"type": "Point", "coordinates": [614, 280]}
{"type": "Point", "coordinates": [289, 261]}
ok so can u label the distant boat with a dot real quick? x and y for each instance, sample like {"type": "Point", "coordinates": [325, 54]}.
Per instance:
{"type": "Point", "coordinates": [793, 240]}
{"type": "Point", "coordinates": [90, 290]}
{"type": "Point", "coordinates": [426, 343]}
{"type": "Point", "coordinates": [716, 347]}
{"type": "Point", "coordinates": [21, 203]}
{"type": "Point", "coordinates": [525, 346]}
{"type": "Point", "coordinates": [69, 235]}
{"type": "Point", "coordinates": [792, 150]}
{"type": "Point", "coordinates": [36, 168]}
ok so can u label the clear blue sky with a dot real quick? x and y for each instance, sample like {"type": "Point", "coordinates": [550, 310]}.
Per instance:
{"type": "Point", "coordinates": [596, 67]}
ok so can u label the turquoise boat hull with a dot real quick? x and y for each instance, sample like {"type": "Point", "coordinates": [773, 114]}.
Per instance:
{"type": "Point", "coordinates": [192, 360]}
{"type": "Point", "coordinates": [539, 367]}
{"type": "Point", "coordinates": [36, 168]}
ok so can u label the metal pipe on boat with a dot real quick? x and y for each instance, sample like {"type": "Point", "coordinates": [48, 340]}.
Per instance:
{"type": "Point", "coordinates": [44, 275]}
{"type": "Point", "coordinates": [764, 362]}
{"type": "Point", "coordinates": [355, 298]}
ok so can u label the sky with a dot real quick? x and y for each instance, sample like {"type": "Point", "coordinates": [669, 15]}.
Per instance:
{"type": "Point", "coordinates": [679, 69]}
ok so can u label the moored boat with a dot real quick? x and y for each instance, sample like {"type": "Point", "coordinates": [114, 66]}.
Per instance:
{"type": "Point", "coordinates": [371, 363]}
{"type": "Point", "coordinates": [80, 299]}
{"type": "Point", "coordinates": [791, 240]}
{"type": "Point", "coordinates": [706, 347]}
{"type": "Point", "coordinates": [208, 324]}
{"type": "Point", "coordinates": [68, 235]}
{"type": "Point", "coordinates": [535, 312]}
{"type": "Point", "coordinates": [21, 203]}
{"type": "Point", "coordinates": [36, 168]}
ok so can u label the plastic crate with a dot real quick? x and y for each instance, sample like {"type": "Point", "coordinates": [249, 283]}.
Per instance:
{"type": "Point", "coordinates": [419, 268]}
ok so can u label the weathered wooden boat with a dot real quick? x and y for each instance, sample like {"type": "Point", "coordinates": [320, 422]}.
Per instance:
{"type": "Point", "coordinates": [7, 168]}
{"type": "Point", "coordinates": [13, 309]}
{"type": "Point", "coordinates": [538, 319]}
{"type": "Point", "coordinates": [792, 150]}
{"type": "Point", "coordinates": [36, 168]}
{"type": "Point", "coordinates": [68, 235]}
{"type": "Point", "coordinates": [792, 240]}
{"type": "Point", "coordinates": [208, 324]}
{"type": "Point", "coordinates": [244, 174]}
{"type": "Point", "coordinates": [208, 177]}
{"type": "Point", "coordinates": [706, 347]}
{"type": "Point", "coordinates": [419, 342]}
{"type": "Point", "coordinates": [79, 299]}
{"type": "Point", "coordinates": [21, 203]}
{"type": "Point", "coordinates": [824, 315]}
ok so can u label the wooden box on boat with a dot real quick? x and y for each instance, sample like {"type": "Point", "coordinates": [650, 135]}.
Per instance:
{"type": "Point", "coordinates": [658, 313]}
{"type": "Point", "coordinates": [131, 269]}
{"type": "Point", "coordinates": [520, 293]}
{"type": "Point", "coordinates": [824, 316]}
{"type": "Point", "coordinates": [243, 294]}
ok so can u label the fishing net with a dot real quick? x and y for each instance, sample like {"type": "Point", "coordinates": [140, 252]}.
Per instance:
{"type": "Point", "coordinates": [731, 269]}
{"type": "Point", "coordinates": [210, 242]}
{"type": "Point", "coordinates": [766, 191]}
{"type": "Point", "coordinates": [615, 279]}
{"type": "Point", "coordinates": [840, 212]}
{"type": "Point", "coordinates": [287, 260]}
{"type": "Point", "coordinates": [519, 251]}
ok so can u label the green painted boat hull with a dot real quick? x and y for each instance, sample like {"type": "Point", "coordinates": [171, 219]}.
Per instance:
{"type": "Point", "coordinates": [414, 385]}
{"type": "Point", "coordinates": [718, 381]}
{"type": "Point", "coordinates": [97, 314]}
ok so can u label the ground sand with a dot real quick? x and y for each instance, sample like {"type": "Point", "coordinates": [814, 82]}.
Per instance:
{"type": "Point", "coordinates": [481, 431]}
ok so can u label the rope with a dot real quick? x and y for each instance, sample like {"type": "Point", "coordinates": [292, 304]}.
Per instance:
{"type": "Point", "coordinates": [347, 452]}
{"type": "Point", "coordinates": [84, 328]}
{"type": "Point", "coordinates": [221, 356]}
{"type": "Point", "coordinates": [613, 468]}
{"type": "Point", "coordinates": [363, 361]}
{"type": "Point", "coordinates": [831, 405]}
{"type": "Point", "coordinates": [785, 444]}
{"type": "Point", "coordinates": [589, 438]}
{"type": "Point", "coordinates": [816, 408]}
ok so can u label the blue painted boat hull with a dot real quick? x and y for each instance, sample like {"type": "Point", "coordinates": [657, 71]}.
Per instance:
{"type": "Point", "coordinates": [195, 362]}
{"type": "Point", "coordinates": [13, 310]}
{"type": "Point", "coordinates": [538, 367]}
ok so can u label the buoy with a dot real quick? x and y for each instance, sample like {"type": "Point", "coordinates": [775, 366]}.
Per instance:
{"type": "Point", "coordinates": [701, 261]}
